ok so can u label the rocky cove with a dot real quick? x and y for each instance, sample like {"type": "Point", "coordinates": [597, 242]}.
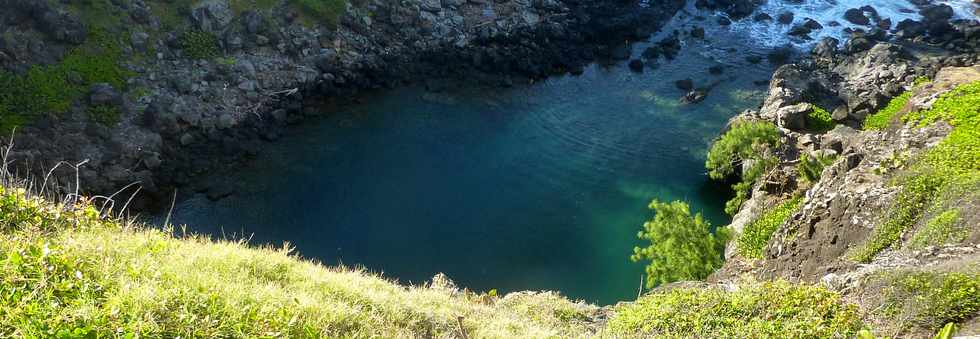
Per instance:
{"type": "Point", "coordinates": [189, 115]}
{"type": "Point", "coordinates": [185, 121]}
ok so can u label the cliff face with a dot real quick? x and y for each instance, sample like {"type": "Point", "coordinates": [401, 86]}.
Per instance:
{"type": "Point", "coordinates": [886, 224]}
{"type": "Point", "coordinates": [191, 86]}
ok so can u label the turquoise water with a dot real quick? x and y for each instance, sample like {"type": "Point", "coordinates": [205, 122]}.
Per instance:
{"type": "Point", "coordinates": [536, 187]}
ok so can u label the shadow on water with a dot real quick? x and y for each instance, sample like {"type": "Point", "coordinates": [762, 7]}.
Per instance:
{"type": "Point", "coordinates": [538, 187]}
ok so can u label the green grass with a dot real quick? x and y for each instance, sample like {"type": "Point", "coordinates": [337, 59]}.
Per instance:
{"type": "Point", "coordinates": [759, 310]}
{"type": "Point", "coordinates": [926, 300]}
{"type": "Point", "coordinates": [64, 271]}
{"type": "Point", "coordinates": [884, 117]}
{"type": "Point", "coordinates": [819, 120]}
{"type": "Point", "coordinates": [756, 235]}
{"type": "Point", "coordinates": [954, 160]}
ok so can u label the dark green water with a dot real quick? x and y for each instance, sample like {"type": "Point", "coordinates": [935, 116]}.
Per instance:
{"type": "Point", "coordinates": [537, 187]}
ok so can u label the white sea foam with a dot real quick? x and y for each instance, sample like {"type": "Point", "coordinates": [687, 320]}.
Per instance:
{"type": "Point", "coordinates": [772, 34]}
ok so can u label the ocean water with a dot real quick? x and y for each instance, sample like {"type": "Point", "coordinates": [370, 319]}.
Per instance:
{"type": "Point", "coordinates": [772, 33]}
{"type": "Point", "coordinates": [536, 187]}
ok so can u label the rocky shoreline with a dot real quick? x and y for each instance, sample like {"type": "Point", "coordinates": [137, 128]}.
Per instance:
{"type": "Point", "coordinates": [852, 198]}
{"type": "Point", "coordinates": [183, 117]}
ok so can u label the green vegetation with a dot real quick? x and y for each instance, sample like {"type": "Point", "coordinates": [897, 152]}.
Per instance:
{"type": "Point", "coordinates": [922, 80]}
{"type": "Point", "coordinates": [327, 12]}
{"type": "Point", "coordinates": [942, 229]}
{"type": "Point", "coordinates": [754, 238]}
{"type": "Point", "coordinates": [239, 6]}
{"type": "Point", "coordinates": [50, 89]}
{"type": "Point", "coordinates": [811, 167]}
{"type": "Point", "coordinates": [105, 114]}
{"type": "Point", "coordinates": [884, 117]}
{"type": "Point", "coordinates": [746, 143]}
{"type": "Point", "coordinates": [682, 246]}
{"type": "Point", "coordinates": [819, 120]}
{"type": "Point", "coordinates": [65, 272]}
{"type": "Point", "coordinates": [950, 163]}
{"type": "Point", "coordinates": [199, 44]}
{"type": "Point", "coordinates": [759, 310]}
{"type": "Point", "coordinates": [926, 300]}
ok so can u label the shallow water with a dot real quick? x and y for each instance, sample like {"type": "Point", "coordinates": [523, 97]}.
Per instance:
{"type": "Point", "coordinates": [536, 187]}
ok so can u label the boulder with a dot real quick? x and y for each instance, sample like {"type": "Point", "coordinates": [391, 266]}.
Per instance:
{"type": "Point", "coordinates": [786, 18]}
{"type": "Point", "coordinates": [695, 96]}
{"type": "Point", "coordinates": [793, 117]}
{"type": "Point", "coordinates": [212, 15]}
{"type": "Point", "coordinates": [856, 16]}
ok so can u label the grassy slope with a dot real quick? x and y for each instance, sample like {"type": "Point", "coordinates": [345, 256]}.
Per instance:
{"type": "Point", "coordinates": [64, 271]}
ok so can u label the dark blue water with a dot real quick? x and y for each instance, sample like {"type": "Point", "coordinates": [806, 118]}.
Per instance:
{"type": "Point", "coordinates": [537, 187]}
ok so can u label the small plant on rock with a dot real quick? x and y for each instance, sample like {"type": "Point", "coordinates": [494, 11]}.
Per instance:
{"type": "Point", "coordinates": [819, 120]}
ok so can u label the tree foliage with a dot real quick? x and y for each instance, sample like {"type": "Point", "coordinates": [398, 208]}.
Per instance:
{"type": "Point", "coordinates": [745, 143]}
{"type": "Point", "coordinates": [742, 142]}
{"type": "Point", "coordinates": [682, 246]}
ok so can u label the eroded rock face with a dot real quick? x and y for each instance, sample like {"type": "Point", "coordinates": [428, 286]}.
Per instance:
{"type": "Point", "coordinates": [852, 197]}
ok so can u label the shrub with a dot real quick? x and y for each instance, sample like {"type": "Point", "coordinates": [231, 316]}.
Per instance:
{"type": "Point", "coordinates": [819, 120]}
{"type": "Point", "coordinates": [682, 246]}
{"type": "Point", "coordinates": [811, 168]}
{"type": "Point", "coordinates": [199, 44]}
{"type": "Point", "coordinates": [745, 143]}
{"type": "Point", "coordinates": [757, 234]}
{"type": "Point", "coordinates": [883, 118]}
{"type": "Point", "coordinates": [756, 310]}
